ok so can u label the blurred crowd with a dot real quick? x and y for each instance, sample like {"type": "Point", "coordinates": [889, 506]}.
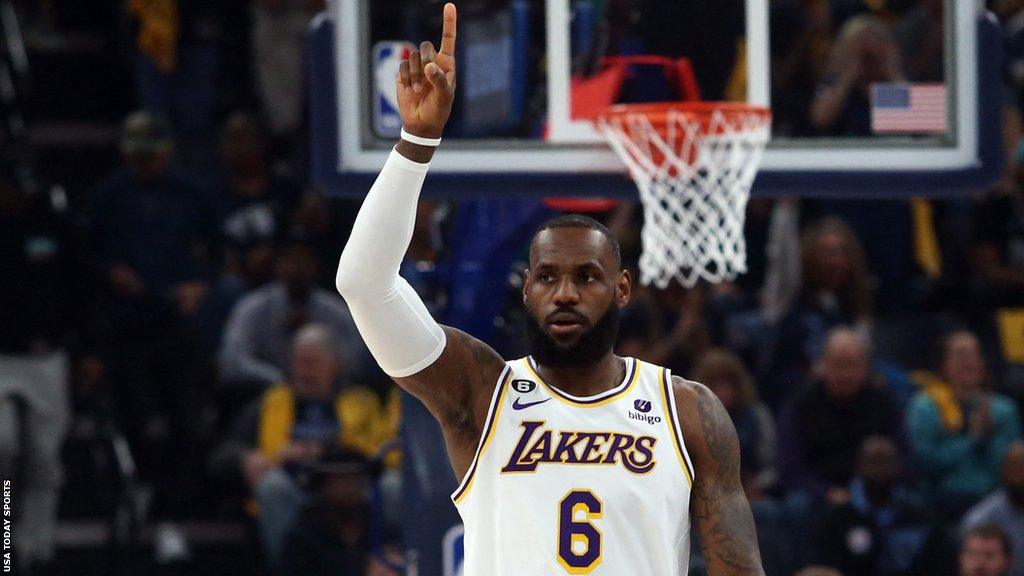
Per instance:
{"type": "Point", "coordinates": [169, 291]}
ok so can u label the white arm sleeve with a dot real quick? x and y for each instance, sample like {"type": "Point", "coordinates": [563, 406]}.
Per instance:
{"type": "Point", "coordinates": [390, 316]}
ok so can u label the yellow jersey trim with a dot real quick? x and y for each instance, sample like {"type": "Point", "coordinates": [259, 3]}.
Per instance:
{"type": "Point", "coordinates": [488, 434]}
{"type": "Point", "coordinates": [603, 399]}
{"type": "Point", "coordinates": [672, 418]}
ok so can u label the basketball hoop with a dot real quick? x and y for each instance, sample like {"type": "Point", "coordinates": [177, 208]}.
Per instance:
{"type": "Point", "coordinates": [694, 163]}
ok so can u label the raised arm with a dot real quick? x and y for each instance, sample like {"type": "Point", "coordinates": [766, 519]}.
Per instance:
{"type": "Point", "coordinates": [717, 502]}
{"type": "Point", "coordinates": [451, 372]}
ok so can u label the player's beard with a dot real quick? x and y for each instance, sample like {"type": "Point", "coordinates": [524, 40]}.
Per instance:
{"type": "Point", "coordinates": [591, 346]}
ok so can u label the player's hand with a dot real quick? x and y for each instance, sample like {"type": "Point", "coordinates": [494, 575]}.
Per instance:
{"type": "Point", "coordinates": [426, 83]}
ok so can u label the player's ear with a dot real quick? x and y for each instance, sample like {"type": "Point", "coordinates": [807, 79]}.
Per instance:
{"type": "Point", "coordinates": [623, 288]}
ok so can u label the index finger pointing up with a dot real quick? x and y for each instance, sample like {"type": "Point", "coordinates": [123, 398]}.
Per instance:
{"type": "Point", "coordinates": [448, 32]}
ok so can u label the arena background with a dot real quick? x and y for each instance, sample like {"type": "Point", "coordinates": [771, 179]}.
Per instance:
{"type": "Point", "coordinates": [182, 390]}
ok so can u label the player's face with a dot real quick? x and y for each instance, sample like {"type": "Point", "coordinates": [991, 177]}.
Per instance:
{"type": "Point", "coordinates": [983, 557]}
{"type": "Point", "coordinates": [573, 292]}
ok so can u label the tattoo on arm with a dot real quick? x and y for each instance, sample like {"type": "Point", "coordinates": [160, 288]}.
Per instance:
{"type": "Point", "coordinates": [457, 387]}
{"type": "Point", "coordinates": [723, 516]}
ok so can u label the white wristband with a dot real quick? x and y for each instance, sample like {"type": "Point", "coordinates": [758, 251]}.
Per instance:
{"type": "Point", "coordinates": [432, 142]}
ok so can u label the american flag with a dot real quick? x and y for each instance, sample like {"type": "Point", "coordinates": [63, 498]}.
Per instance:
{"type": "Point", "coordinates": [908, 108]}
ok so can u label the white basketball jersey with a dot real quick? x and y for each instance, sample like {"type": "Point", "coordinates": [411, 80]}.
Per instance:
{"type": "Point", "coordinates": [567, 485]}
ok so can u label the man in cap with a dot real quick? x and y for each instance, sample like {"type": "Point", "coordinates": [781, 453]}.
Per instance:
{"type": "Point", "coordinates": [151, 232]}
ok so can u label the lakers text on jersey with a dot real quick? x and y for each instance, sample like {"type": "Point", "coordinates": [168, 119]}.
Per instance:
{"type": "Point", "coordinates": [562, 484]}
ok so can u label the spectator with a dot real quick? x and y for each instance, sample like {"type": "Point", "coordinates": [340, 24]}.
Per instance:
{"type": "Point", "coordinates": [1005, 508]}
{"type": "Point", "coordinates": [821, 430]}
{"type": "Point", "coordinates": [812, 287]}
{"type": "Point", "coordinates": [254, 200]}
{"type": "Point", "coordinates": [152, 232]}
{"type": "Point", "coordinates": [331, 533]}
{"type": "Point", "coordinates": [38, 325]}
{"type": "Point", "coordinates": [149, 222]}
{"type": "Point", "coordinates": [921, 33]}
{"type": "Point", "coordinates": [985, 552]}
{"type": "Point", "coordinates": [295, 422]}
{"type": "Point", "coordinates": [802, 35]}
{"type": "Point", "coordinates": [865, 52]}
{"type": "Point", "coordinates": [960, 432]}
{"type": "Point", "coordinates": [254, 352]}
{"type": "Point", "coordinates": [883, 529]}
{"type": "Point", "coordinates": [998, 248]}
{"type": "Point", "coordinates": [177, 64]}
{"type": "Point", "coordinates": [279, 38]}
{"type": "Point", "coordinates": [324, 223]}
{"type": "Point", "coordinates": [1011, 13]}
{"type": "Point", "coordinates": [667, 326]}
{"type": "Point", "coordinates": [723, 372]}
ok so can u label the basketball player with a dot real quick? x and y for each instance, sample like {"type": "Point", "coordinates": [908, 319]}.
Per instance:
{"type": "Point", "coordinates": [573, 460]}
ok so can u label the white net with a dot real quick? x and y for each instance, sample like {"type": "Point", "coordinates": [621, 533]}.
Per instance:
{"type": "Point", "coordinates": [694, 169]}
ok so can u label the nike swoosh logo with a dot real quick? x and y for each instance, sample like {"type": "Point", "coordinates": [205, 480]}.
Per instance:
{"type": "Point", "coordinates": [517, 406]}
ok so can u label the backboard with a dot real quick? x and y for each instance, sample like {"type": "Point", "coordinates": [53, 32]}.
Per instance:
{"type": "Point", "coordinates": [920, 112]}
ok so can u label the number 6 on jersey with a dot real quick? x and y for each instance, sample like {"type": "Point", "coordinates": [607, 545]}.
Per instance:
{"type": "Point", "coordinates": [579, 542]}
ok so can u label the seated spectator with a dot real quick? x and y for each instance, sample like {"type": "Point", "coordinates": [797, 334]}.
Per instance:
{"type": "Point", "coordinates": [802, 36]}
{"type": "Point", "coordinates": [254, 351]}
{"type": "Point", "coordinates": [331, 534]}
{"type": "Point", "coordinates": [254, 201]}
{"type": "Point", "coordinates": [883, 529]}
{"type": "Point", "coordinates": [324, 223]}
{"type": "Point", "coordinates": [723, 372]}
{"type": "Point", "coordinates": [149, 221]}
{"type": "Point", "coordinates": [865, 52]}
{"type": "Point", "coordinates": [822, 429]}
{"type": "Point", "coordinates": [1005, 508]}
{"type": "Point", "coordinates": [985, 551]}
{"type": "Point", "coordinates": [813, 286]}
{"type": "Point", "coordinates": [666, 326]}
{"type": "Point", "coordinates": [295, 422]}
{"type": "Point", "coordinates": [152, 230]}
{"type": "Point", "coordinates": [998, 248]}
{"type": "Point", "coordinates": [960, 432]}
{"type": "Point", "coordinates": [921, 33]}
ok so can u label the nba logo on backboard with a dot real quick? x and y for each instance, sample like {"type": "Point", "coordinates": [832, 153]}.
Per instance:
{"type": "Point", "coordinates": [387, 57]}
{"type": "Point", "coordinates": [453, 550]}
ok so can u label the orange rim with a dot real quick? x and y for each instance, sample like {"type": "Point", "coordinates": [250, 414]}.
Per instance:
{"type": "Point", "coordinates": [658, 113]}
